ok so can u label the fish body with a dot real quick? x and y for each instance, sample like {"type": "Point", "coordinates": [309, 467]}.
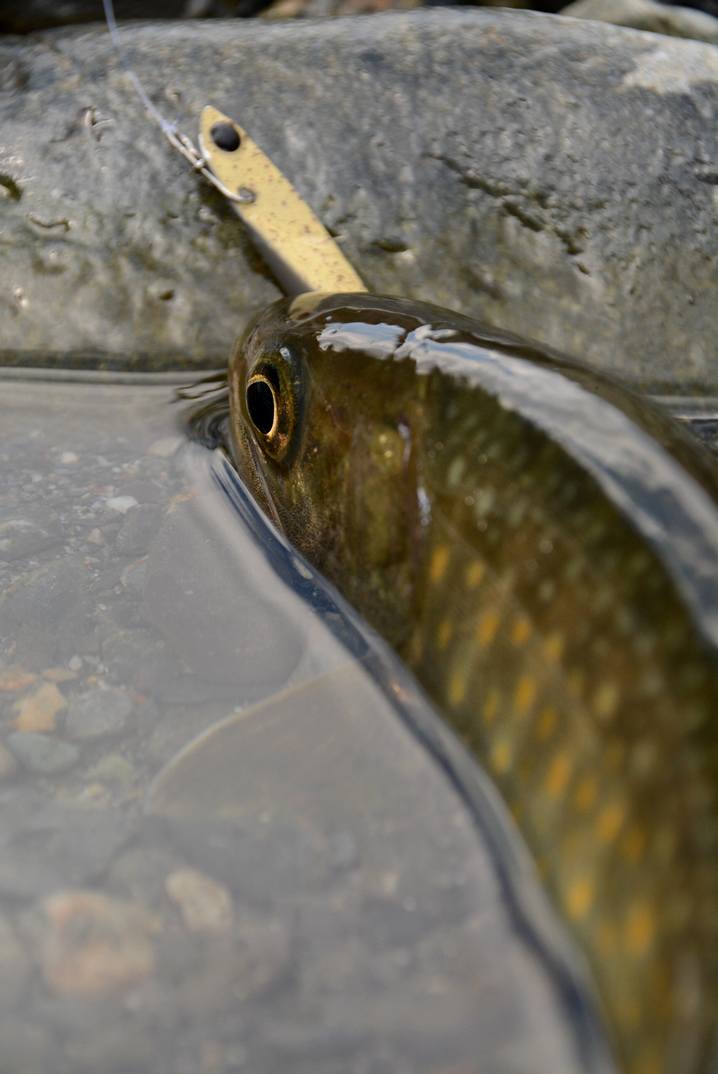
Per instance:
{"type": "Point", "coordinates": [541, 548]}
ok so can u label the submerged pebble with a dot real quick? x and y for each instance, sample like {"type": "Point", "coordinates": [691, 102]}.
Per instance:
{"type": "Point", "coordinates": [141, 524]}
{"type": "Point", "coordinates": [121, 504]}
{"type": "Point", "coordinates": [37, 710]}
{"type": "Point", "coordinates": [112, 768]}
{"type": "Point", "coordinates": [96, 945]}
{"type": "Point", "coordinates": [42, 754]}
{"type": "Point", "coordinates": [99, 713]}
{"type": "Point", "coordinates": [205, 905]}
{"type": "Point", "coordinates": [26, 529]}
{"type": "Point", "coordinates": [13, 679]}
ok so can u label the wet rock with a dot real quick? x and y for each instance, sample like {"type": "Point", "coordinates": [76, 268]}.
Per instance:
{"type": "Point", "coordinates": [648, 15]}
{"type": "Point", "coordinates": [111, 769]}
{"type": "Point", "coordinates": [260, 862]}
{"type": "Point", "coordinates": [143, 491]}
{"type": "Point", "coordinates": [34, 647]}
{"type": "Point", "coordinates": [47, 846]}
{"type": "Point", "coordinates": [213, 972]}
{"type": "Point", "coordinates": [97, 946]}
{"type": "Point", "coordinates": [38, 709]}
{"type": "Point", "coordinates": [60, 674]}
{"type": "Point", "coordinates": [205, 905]}
{"type": "Point", "coordinates": [178, 725]}
{"type": "Point", "coordinates": [502, 163]}
{"type": "Point", "coordinates": [121, 504]}
{"type": "Point", "coordinates": [140, 873]}
{"type": "Point", "coordinates": [165, 448]}
{"type": "Point", "coordinates": [53, 599]}
{"type": "Point", "coordinates": [41, 754]}
{"type": "Point", "coordinates": [16, 678]}
{"type": "Point", "coordinates": [26, 529]}
{"type": "Point", "coordinates": [133, 579]}
{"type": "Point", "coordinates": [99, 713]}
{"type": "Point", "coordinates": [128, 654]}
{"type": "Point", "coordinates": [141, 525]}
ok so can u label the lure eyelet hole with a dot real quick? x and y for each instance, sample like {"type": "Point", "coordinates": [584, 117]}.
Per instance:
{"type": "Point", "coordinates": [225, 137]}
{"type": "Point", "coordinates": [262, 405]}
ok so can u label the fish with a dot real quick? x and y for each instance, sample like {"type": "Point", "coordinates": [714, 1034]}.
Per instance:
{"type": "Point", "coordinates": [539, 544]}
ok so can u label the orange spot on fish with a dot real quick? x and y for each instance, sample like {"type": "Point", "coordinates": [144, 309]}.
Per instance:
{"type": "Point", "coordinates": [553, 646]}
{"type": "Point", "coordinates": [525, 695]}
{"type": "Point", "coordinates": [501, 756]}
{"type": "Point", "coordinates": [488, 625]}
{"type": "Point", "coordinates": [457, 688]}
{"type": "Point", "coordinates": [579, 898]}
{"type": "Point", "coordinates": [558, 774]}
{"type": "Point", "coordinates": [439, 563]}
{"type": "Point", "coordinates": [640, 929]}
{"type": "Point", "coordinates": [605, 701]}
{"type": "Point", "coordinates": [609, 822]}
{"type": "Point", "coordinates": [475, 574]}
{"type": "Point", "coordinates": [521, 630]}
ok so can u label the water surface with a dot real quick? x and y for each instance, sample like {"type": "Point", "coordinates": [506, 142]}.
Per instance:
{"type": "Point", "coordinates": [191, 880]}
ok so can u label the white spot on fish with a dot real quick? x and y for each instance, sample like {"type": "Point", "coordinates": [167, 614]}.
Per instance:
{"type": "Point", "coordinates": [456, 471]}
{"type": "Point", "coordinates": [424, 506]}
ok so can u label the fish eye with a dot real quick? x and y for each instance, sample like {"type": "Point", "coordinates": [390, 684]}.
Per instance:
{"type": "Point", "coordinates": [261, 405]}
{"type": "Point", "coordinates": [271, 400]}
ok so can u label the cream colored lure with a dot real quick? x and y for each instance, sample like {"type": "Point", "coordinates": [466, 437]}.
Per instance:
{"type": "Point", "coordinates": [297, 247]}
{"type": "Point", "coordinates": [541, 547]}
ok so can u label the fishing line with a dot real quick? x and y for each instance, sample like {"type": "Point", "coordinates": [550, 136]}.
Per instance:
{"type": "Point", "coordinates": [180, 141]}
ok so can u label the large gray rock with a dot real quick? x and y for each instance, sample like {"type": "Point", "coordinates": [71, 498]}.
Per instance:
{"type": "Point", "coordinates": [554, 176]}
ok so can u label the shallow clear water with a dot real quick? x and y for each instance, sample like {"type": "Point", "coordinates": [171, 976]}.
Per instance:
{"type": "Point", "coordinates": [194, 880]}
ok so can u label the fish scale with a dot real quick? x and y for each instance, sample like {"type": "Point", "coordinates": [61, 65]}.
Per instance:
{"type": "Point", "coordinates": [547, 601]}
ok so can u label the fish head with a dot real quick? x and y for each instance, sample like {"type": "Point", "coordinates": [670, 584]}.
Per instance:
{"type": "Point", "coordinates": [324, 425]}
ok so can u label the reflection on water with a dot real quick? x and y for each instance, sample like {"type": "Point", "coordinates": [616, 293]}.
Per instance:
{"type": "Point", "coordinates": [190, 884]}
